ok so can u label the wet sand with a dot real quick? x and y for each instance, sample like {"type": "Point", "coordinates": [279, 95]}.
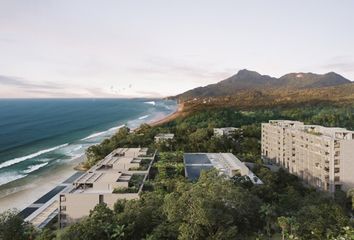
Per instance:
{"type": "Point", "coordinates": [29, 190]}
{"type": "Point", "coordinates": [170, 117]}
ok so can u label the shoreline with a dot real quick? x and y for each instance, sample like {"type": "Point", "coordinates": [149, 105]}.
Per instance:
{"type": "Point", "coordinates": [28, 191]}
{"type": "Point", "coordinates": [170, 117]}
{"type": "Point", "coordinates": [21, 196]}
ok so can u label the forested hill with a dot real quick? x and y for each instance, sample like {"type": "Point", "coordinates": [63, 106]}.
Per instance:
{"type": "Point", "coordinates": [250, 81]}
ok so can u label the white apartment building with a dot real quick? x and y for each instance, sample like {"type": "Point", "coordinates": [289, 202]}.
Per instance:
{"type": "Point", "coordinates": [323, 157]}
{"type": "Point", "coordinates": [227, 131]}
{"type": "Point", "coordinates": [101, 182]}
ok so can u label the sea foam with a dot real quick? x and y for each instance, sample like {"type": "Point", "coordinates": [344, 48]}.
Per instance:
{"type": "Point", "coordinates": [33, 155]}
{"type": "Point", "coordinates": [143, 117]}
{"type": "Point", "coordinates": [33, 168]}
{"type": "Point", "coordinates": [151, 103]}
{"type": "Point", "coordinates": [94, 135]}
{"type": "Point", "coordinates": [10, 178]}
{"type": "Point", "coordinates": [102, 133]}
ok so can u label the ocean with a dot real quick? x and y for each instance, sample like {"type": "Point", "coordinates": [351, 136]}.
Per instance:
{"type": "Point", "coordinates": [36, 135]}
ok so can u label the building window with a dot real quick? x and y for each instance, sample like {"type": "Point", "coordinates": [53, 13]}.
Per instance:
{"type": "Point", "coordinates": [62, 208]}
{"type": "Point", "coordinates": [338, 187]}
{"type": "Point", "coordinates": [62, 198]}
{"type": "Point", "coordinates": [100, 199]}
{"type": "Point", "coordinates": [336, 178]}
{"type": "Point", "coordinates": [336, 170]}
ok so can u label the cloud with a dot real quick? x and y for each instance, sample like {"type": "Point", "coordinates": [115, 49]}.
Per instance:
{"type": "Point", "coordinates": [164, 66]}
{"type": "Point", "coordinates": [340, 63]}
{"type": "Point", "coordinates": [7, 40]}
{"type": "Point", "coordinates": [44, 93]}
{"type": "Point", "coordinates": [25, 88]}
{"type": "Point", "coordinates": [341, 66]}
{"type": "Point", "coordinates": [21, 87]}
{"type": "Point", "coordinates": [22, 83]}
{"type": "Point", "coordinates": [149, 94]}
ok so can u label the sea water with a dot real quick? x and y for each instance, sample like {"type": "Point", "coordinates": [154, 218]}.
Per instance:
{"type": "Point", "coordinates": [36, 135]}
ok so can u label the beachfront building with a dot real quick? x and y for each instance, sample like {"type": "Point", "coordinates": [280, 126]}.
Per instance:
{"type": "Point", "coordinates": [226, 163]}
{"type": "Point", "coordinates": [120, 175]}
{"type": "Point", "coordinates": [321, 156]}
{"type": "Point", "coordinates": [163, 137]}
{"type": "Point", "coordinates": [227, 131]}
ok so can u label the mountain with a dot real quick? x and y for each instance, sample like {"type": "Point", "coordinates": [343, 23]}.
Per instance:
{"type": "Point", "coordinates": [311, 80]}
{"type": "Point", "coordinates": [246, 80]}
{"type": "Point", "coordinates": [340, 95]}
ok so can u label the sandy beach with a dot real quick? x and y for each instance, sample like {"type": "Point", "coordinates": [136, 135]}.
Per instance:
{"type": "Point", "coordinates": [170, 117]}
{"type": "Point", "coordinates": [29, 190]}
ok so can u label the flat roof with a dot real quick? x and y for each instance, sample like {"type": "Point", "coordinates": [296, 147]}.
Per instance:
{"type": "Point", "coordinates": [225, 163]}
{"type": "Point", "coordinates": [333, 132]}
{"type": "Point", "coordinates": [227, 128]}
{"type": "Point", "coordinates": [99, 177]}
{"type": "Point", "coordinates": [196, 158]}
{"type": "Point", "coordinates": [193, 172]}
{"type": "Point", "coordinates": [112, 171]}
{"type": "Point", "coordinates": [165, 135]}
{"type": "Point", "coordinates": [46, 197]}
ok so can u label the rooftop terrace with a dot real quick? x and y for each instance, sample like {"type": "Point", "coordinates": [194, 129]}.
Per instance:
{"type": "Point", "coordinates": [226, 163]}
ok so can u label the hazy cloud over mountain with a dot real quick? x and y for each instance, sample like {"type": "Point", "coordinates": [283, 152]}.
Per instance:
{"type": "Point", "coordinates": [83, 48]}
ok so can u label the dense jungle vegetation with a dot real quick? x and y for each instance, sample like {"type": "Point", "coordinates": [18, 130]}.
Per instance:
{"type": "Point", "coordinates": [171, 207]}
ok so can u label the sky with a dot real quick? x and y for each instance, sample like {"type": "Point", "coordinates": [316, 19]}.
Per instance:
{"type": "Point", "coordinates": [157, 48]}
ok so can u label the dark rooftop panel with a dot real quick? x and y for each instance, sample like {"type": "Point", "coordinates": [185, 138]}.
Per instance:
{"type": "Point", "coordinates": [196, 159]}
{"type": "Point", "coordinates": [73, 177]}
{"type": "Point", "coordinates": [27, 211]}
{"type": "Point", "coordinates": [193, 172]}
{"type": "Point", "coordinates": [49, 195]}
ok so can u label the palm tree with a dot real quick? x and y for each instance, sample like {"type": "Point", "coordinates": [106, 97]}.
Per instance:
{"type": "Point", "coordinates": [283, 223]}
{"type": "Point", "coordinates": [268, 213]}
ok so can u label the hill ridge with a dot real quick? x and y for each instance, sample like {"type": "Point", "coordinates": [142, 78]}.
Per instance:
{"type": "Point", "coordinates": [247, 80]}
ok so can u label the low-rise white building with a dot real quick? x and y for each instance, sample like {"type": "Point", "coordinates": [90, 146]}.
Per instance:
{"type": "Point", "coordinates": [227, 131]}
{"type": "Point", "coordinates": [162, 137]}
{"type": "Point", "coordinates": [226, 163]}
{"type": "Point", "coordinates": [101, 182]}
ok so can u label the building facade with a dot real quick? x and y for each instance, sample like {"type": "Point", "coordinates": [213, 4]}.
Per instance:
{"type": "Point", "coordinates": [227, 131]}
{"type": "Point", "coordinates": [322, 157]}
{"type": "Point", "coordinates": [104, 183]}
{"type": "Point", "coordinates": [163, 137]}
